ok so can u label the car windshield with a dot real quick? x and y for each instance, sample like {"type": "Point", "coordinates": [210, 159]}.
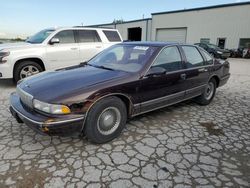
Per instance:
{"type": "Point", "coordinates": [40, 36]}
{"type": "Point", "coordinates": [213, 46]}
{"type": "Point", "coordinates": [128, 58]}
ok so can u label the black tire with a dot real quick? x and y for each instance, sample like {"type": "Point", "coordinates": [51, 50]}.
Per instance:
{"type": "Point", "coordinates": [93, 129]}
{"type": "Point", "coordinates": [205, 98]}
{"type": "Point", "coordinates": [22, 65]}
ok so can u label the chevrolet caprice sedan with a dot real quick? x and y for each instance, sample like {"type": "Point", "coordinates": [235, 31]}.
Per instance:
{"type": "Point", "coordinates": [98, 97]}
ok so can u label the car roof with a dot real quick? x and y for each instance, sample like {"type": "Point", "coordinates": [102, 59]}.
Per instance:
{"type": "Point", "coordinates": [80, 28]}
{"type": "Point", "coordinates": [151, 43]}
{"type": "Point", "coordinates": [155, 44]}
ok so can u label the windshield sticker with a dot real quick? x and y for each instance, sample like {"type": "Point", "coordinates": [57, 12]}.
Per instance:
{"type": "Point", "coordinates": [141, 48]}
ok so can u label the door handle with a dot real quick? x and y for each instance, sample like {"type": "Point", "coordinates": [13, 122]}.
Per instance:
{"type": "Point", "coordinates": [74, 48]}
{"type": "Point", "coordinates": [183, 76]}
{"type": "Point", "coordinates": [202, 70]}
{"type": "Point", "coordinates": [98, 46]}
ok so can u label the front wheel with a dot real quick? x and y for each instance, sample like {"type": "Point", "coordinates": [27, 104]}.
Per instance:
{"type": "Point", "coordinates": [207, 96]}
{"type": "Point", "coordinates": [105, 120]}
{"type": "Point", "coordinates": [26, 69]}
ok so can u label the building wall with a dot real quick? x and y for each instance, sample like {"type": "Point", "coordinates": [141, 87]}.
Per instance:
{"type": "Point", "coordinates": [123, 28]}
{"type": "Point", "coordinates": [110, 26]}
{"type": "Point", "coordinates": [145, 25]}
{"type": "Point", "coordinates": [231, 23]}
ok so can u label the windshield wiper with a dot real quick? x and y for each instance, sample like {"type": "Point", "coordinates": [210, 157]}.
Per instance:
{"type": "Point", "coordinates": [101, 66]}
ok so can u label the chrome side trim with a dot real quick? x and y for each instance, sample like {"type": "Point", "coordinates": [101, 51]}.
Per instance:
{"type": "Point", "coordinates": [164, 105]}
{"type": "Point", "coordinates": [195, 89]}
{"type": "Point", "coordinates": [226, 77]}
{"type": "Point", "coordinates": [169, 97]}
{"type": "Point", "coordinates": [44, 123]}
{"type": "Point", "coordinates": [164, 98]}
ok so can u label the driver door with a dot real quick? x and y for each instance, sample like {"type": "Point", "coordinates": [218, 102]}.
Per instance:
{"type": "Point", "coordinates": [160, 90]}
{"type": "Point", "coordinates": [65, 53]}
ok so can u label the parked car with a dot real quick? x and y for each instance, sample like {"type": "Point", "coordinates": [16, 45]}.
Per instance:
{"type": "Point", "coordinates": [125, 80]}
{"type": "Point", "coordinates": [236, 53]}
{"type": "Point", "coordinates": [214, 50]}
{"type": "Point", "coordinates": [246, 53]}
{"type": "Point", "coordinates": [51, 49]}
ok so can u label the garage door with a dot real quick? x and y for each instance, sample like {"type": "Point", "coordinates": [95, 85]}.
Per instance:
{"type": "Point", "coordinates": [171, 35]}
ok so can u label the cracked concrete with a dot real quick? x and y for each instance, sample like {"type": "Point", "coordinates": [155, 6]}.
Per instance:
{"type": "Point", "coordinates": [185, 145]}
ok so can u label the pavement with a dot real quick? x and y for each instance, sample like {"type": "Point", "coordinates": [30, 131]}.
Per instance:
{"type": "Point", "coordinates": [185, 145]}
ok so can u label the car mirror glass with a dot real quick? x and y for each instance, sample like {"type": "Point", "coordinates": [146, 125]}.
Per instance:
{"type": "Point", "coordinates": [54, 41]}
{"type": "Point", "coordinates": [154, 71]}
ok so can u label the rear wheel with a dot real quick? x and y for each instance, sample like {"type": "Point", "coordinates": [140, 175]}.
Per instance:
{"type": "Point", "coordinates": [105, 120]}
{"type": "Point", "coordinates": [207, 96]}
{"type": "Point", "coordinates": [26, 69]}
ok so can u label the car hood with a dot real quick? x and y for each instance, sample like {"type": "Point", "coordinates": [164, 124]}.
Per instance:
{"type": "Point", "coordinates": [55, 85]}
{"type": "Point", "coordinates": [16, 45]}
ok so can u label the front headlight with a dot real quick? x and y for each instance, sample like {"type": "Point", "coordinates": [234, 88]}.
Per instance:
{"type": "Point", "coordinates": [2, 55]}
{"type": "Point", "coordinates": [219, 52]}
{"type": "Point", "coordinates": [50, 108]}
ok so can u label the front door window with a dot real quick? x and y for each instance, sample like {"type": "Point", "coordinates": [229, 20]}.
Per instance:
{"type": "Point", "coordinates": [169, 59]}
{"type": "Point", "coordinates": [65, 37]}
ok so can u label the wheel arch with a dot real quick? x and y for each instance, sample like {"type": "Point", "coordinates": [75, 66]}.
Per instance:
{"type": "Point", "coordinates": [217, 79]}
{"type": "Point", "coordinates": [126, 99]}
{"type": "Point", "coordinates": [34, 59]}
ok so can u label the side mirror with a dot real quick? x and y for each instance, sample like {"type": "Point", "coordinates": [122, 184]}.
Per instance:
{"type": "Point", "coordinates": [156, 71]}
{"type": "Point", "coordinates": [82, 64]}
{"type": "Point", "coordinates": [54, 41]}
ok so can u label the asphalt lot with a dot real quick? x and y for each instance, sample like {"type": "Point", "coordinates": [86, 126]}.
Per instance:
{"type": "Point", "coordinates": [185, 145]}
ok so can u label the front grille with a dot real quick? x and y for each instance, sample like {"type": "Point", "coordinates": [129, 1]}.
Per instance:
{"type": "Point", "coordinates": [25, 97]}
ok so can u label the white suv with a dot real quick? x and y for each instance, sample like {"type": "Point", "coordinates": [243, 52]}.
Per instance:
{"type": "Point", "coordinates": [52, 49]}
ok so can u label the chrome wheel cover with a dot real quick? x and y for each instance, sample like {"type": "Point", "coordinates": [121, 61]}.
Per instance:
{"type": "Point", "coordinates": [209, 90]}
{"type": "Point", "coordinates": [28, 70]}
{"type": "Point", "coordinates": [109, 120]}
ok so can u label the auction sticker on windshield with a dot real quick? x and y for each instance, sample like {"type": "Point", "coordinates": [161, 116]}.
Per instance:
{"type": "Point", "coordinates": [141, 48]}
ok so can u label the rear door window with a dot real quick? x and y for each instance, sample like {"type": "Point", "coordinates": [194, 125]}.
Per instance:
{"type": "Point", "coordinates": [193, 57]}
{"type": "Point", "coordinates": [112, 36]}
{"type": "Point", "coordinates": [209, 59]}
{"type": "Point", "coordinates": [88, 36]}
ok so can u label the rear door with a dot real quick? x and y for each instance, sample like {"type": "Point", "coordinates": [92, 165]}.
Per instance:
{"type": "Point", "coordinates": [197, 72]}
{"type": "Point", "coordinates": [89, 43]}
{"type": "Point", "coordinates": [65, 53]}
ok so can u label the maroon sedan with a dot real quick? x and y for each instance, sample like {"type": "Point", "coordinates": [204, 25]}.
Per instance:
{"type": "Point", "coordinates": [96, 98]}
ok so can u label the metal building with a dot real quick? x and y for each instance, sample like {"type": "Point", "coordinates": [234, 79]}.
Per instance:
{"type": "Point", "coordinates": [135, 30]}
{"type": "Point", "coordinates": [226, 25]}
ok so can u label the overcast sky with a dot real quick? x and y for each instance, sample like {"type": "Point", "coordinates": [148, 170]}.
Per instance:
{"type": "Point", "coordinates": [22, 18]}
